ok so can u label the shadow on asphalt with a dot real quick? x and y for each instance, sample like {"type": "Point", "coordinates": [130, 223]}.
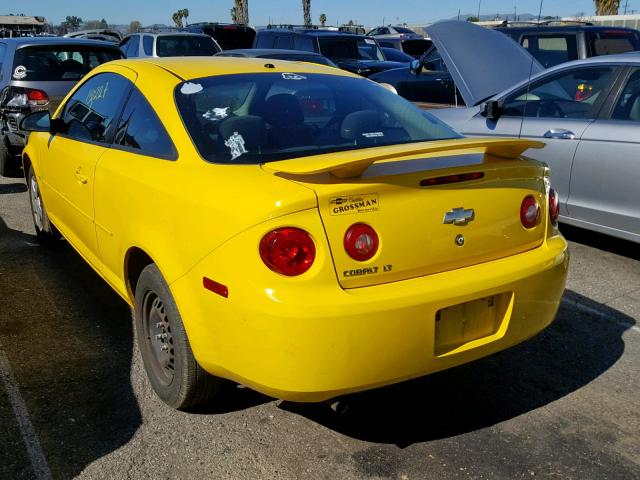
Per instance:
{"type": "Point", "coordinates": [600, 241]}
{"type": "Point", "coordinates": [69, 339]}
{"type": "Point", "coordinates": [578, 347]}
{"type": "Point", "coordinates": [7, 188]}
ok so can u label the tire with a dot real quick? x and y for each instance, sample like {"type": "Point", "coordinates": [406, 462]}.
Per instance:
{"type": "Point", "coordinates": [8, 163]}
{"type": "Point", "coordinates": [168, 360]}
{"type": "Point", "coordinates": [45, 231]}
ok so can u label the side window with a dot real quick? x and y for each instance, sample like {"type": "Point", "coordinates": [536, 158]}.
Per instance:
{"type": "Point", "coordinates": [90, 112]}
{"type": "Point", "coordinates": [141, 130]}
{"type": "Point", "coordinates": [284, 41]}
{"type": "Point", "coordinates": [3, 49]}
{"type": "Point", "coordinates": [124, 45]}
{"type": "Point", "coordinates": [134, 46]}
{"type": "Point", "coordinates": [551, 50]}
{"type": "Point", "coordinates": [264, 41]}
{"type": "Point", "coordinates": [303, 43]}
{"type": "Point", "coordinates": [576, 94]}
{"type": "Point", "coordinates": [147, 44]}
{"type": "Point", "coordinates": [628, 106]}
{"type": "Point", "coordinates": [384, 31]}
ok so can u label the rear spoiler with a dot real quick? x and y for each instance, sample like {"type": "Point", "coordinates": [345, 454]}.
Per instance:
{"type": "Point", "coordinates": [351, 164]}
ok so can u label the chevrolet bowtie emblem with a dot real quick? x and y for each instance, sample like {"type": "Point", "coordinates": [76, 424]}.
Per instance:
{"type": "Point", "coordinates": [459, 216]}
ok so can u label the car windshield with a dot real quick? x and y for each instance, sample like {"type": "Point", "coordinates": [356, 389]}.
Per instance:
{"type": "Point", "coordinates": [346, 48]}
{"type": "Point", "coordinates": [59, 63]}
{"type": "Point", "coordinates": [185, 46]}
{"type": "Point", "coordinates": [259, 118]}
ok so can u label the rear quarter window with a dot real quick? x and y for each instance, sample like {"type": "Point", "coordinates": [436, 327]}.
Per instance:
{"type": "Point", "coordinates": [612, 42]}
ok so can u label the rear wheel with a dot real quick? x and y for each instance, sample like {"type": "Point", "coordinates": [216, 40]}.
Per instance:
{"type": "Point", "coordinates": [45, 231]}
{"type": "Point", "coordinates": [168, 360]}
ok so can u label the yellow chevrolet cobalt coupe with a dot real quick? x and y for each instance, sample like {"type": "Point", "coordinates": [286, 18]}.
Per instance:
{"type": "Point", "coordinates": [293, 227]}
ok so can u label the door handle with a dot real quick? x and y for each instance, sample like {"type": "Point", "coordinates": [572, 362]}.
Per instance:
{"type": "Point", "coordinates": [560, 133]}
{"type": "Point", "coordinates": [81, 178]}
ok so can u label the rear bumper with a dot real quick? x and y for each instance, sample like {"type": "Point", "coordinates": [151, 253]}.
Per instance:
{"type": "Point", "coordinates": [329, 342]}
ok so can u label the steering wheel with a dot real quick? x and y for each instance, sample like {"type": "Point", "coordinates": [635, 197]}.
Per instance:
{"type": "Point", "coordinates": [549, 109]}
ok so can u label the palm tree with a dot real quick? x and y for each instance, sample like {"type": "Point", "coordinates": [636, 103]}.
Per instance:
{"type": "Point", "coordinates": [306, 9]}
{"type": "Point", "coordinates": [177, 19]}
{"type": "Point", "coordinates": [607, 7]}
{"type": "Point", "coordinates": [185, 14]}
{"type": "Point", "coordinates": [323, 19]}
{"type": "Point", "coordinates": [240, 11]}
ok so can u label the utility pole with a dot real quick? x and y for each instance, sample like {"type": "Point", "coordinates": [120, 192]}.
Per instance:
{"type": "Point", "coordinates": [515, 13]}
{"type": "Point", "coordinates": [458, 14]}
{"type": "Point", "coordinates": [626, 4]}
{"type": "Point", "coordinates": [479, 3]}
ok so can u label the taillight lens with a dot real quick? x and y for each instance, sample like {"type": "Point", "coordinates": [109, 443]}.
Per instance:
{"type": "Point", "coordinates": [37, 98]}
{"type": "Point", "coordinates": [289, 251]}
{"type": "Point", "coordinates": [554, 207]}
{"type": "Point", "coordinates": [529, 212]}
{"type": "Point", "coordinates": [361, 242]}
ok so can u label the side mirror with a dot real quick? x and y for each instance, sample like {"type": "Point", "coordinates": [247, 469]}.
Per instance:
{"type": "Point", "coordinates": [36, 122]}
{"type": "Point", "coordinates": [416, 67]}
{"type": "Point", "coordinates": [491, 110]}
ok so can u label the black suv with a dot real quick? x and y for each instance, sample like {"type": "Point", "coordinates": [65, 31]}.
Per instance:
{"type": "Point", "coordinates": [552, 43]}
{"type": "Point", "coordinates": [355, 53]}
{"type": "Point", "coordinates": [228, 35]}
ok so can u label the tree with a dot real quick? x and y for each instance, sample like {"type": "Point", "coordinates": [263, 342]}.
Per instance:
{"type": "Point", "coordinates": [473, 19]}
{"type": "Point", "coordinates": [104, 24]}
{"type": "Point", "coordinates": [134, 26]}
{"type": "Point", "coordinates": [323, 19]}
{"type": "Point", "coordinates": [607, 7]}
{"type": "Point", "coordinates": [240, 12]}
{"type": "Point", "coordinates": [177, 19]}
{"type": "Point", "coordinates": [72, 22]}
{"type": "Point", "coordinates": [306, 10]}
{"type": "Point", "coordinates": [185, 14]}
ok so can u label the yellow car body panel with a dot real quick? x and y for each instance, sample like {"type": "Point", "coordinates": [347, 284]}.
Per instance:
{"type": "Point", "coordinates": [320, 334]}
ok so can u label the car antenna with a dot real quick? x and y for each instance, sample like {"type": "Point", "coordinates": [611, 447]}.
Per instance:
{"type": "Point", "coordinates": [526, 98]}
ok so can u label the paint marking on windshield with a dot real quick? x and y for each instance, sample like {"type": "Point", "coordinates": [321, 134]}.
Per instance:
{"type": "Point", "coordinates": [190, 88]}
{"type": "Point", "coordinates": [236, 145]}
{"type": "Point", "coordinates": [293, 76]}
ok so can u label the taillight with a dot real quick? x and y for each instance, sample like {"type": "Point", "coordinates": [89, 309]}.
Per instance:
{"type": "Point", "coordinates": [554, 207]}
{"type": "Point", "coordinates": [37, 98]}
{"type": "Point", "coordinates": [361, 242]}
{"type": "Point", "coordinates": [288, 250]}
{"type": "Point", "coordinates": [529, 212]}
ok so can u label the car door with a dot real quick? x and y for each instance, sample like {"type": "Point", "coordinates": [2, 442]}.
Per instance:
{"type": "Point", "coordinates": [606, 168]}
{"type": "Point", "coordinates": [86, 124]}
{"type": "Point", "coordinates": [557, 110]}
{"type": "Point", "coordinates": [142, 149]}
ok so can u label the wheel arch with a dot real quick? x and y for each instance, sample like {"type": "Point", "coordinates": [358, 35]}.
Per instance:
{"type": "Point", "coordinates": [136, 259]}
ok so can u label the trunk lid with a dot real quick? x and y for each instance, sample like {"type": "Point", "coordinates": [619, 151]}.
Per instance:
{"type": "Point", "coordinates": [409, 218]}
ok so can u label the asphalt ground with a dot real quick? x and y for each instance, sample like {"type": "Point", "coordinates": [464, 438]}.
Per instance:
{"type": "Point", "coordinates": [74, 400]}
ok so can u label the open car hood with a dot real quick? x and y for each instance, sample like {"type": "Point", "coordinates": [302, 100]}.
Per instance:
{"type": "Point", "coordinates": [482, 62]}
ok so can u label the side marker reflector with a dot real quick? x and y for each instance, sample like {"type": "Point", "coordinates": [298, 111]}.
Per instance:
{"type": "Point", "coordinates": [215, 287]}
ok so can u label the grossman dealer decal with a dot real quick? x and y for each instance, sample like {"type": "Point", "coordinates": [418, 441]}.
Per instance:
{"type": "Point", "coordinates": [367, 202]}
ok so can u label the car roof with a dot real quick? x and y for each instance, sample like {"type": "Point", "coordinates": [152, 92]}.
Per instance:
{"type": "Point", "coordinates": [254, 52]}
{"type": "Point", "coordinates": [21, 41]}
{"type": "Point", "coordinates": [189, 68]}
{"type": "Point", "coordinates": [559, 28]}
{"type": "Point", "coordinates": [170, 34]}
{"type": "Point", "coordinates": [313, 31]}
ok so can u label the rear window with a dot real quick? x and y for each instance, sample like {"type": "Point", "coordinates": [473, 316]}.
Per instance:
{"type": "Point", "coordinates": [47, 64]}
{"type": "Point", "coordinates": [253, 119]}
{"type": "Point", "coordinates": [608, 42]}
{"type": "Point", "coordinates": [403, 30]}
{"type": "Point", "coordinates": [345, 48]}
{"type": "Point", "coordinates": [185, 46]}
{"type": "Point", "coordinates": [415, 48]}
{"type": "Point", "coordinates": [231, 36]}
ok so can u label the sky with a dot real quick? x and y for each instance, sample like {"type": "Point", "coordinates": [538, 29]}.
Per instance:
{"type": "Point", "coordinates": [261, 12]}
